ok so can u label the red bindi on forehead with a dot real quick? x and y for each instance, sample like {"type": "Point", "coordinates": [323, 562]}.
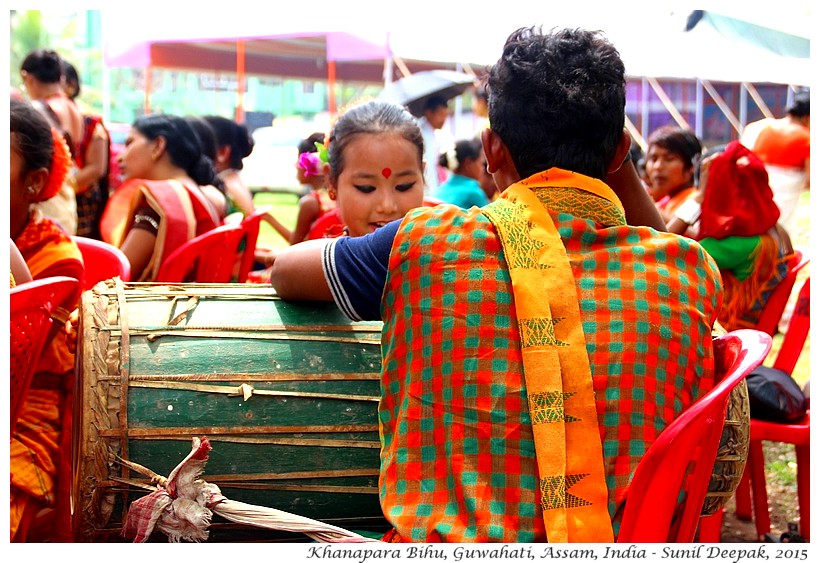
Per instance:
{"type": "Point", "coordinates": [386, 172]}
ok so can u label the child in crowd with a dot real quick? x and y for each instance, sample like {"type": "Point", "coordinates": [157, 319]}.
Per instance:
{"type": "Point", "coordinates": [672, 158]}
{"type": "Point", "coordinates": [468, 166]}
{"type": "Point", "coordinates": [375, 171]}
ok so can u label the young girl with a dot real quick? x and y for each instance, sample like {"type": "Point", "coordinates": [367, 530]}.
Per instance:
{"type": "Point", "coordinates": [375, 169]}
{"type": "Point", "coordinates": [468, 166]}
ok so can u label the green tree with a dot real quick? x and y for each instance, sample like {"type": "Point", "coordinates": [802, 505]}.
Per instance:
{"type": "Point", "coordinates": [27, 33]}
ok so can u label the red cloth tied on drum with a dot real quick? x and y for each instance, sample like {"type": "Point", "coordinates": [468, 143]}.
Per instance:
{"type": "Point", "coordinates": [181, 508]}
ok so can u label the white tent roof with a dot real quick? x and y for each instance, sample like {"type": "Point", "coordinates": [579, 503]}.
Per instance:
{"type": "Point", "coordinates": [651, 38]}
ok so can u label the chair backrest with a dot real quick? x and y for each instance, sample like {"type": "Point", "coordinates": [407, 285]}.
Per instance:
{"type": "Point", "coordinates": [683, 455]}
{"type": "Point", "coordinates": [31, 306]}
{"type": "Point", "coordinates": [250, 227]}
{"type": "Point", "coordinates": [102, 261]}
{"type": "Point", "coordinates": [776, 304]}
{"type": "Point", "coordinates": [795, 337]}
{"type": "Point", "coordinates": [207, 258]}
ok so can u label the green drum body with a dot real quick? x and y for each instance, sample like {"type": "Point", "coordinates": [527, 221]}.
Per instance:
{"type": "Point", "coordinates": [286, 393]}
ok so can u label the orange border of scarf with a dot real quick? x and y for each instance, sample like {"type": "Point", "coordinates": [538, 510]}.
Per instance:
{"type": "Point", "coordinates": [561, 399]}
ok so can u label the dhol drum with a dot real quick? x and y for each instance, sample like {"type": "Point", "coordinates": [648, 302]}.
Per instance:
{"type": "Point", "coordinates": [286, 393]}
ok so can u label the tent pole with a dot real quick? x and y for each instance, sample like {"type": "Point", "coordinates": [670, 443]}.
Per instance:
{"type": "Point", "coordinates": [699, 108]}
{"type": "Point", "coordinates": [388, 64]}
{"type": "Point", "coordinates": [239, 115]}
{"type": "Point", "coordinates": [758, 99]}
{"type": "Point", "coordinates": [667, 103]}
{"type": "Point", "coordinates": [149, 71]}
{"type": "Point", "coordinates": [331, 87]}
{"type": "Point", "coordinates": [722, 105]}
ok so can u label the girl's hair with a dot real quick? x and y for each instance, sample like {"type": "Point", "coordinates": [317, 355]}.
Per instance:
{"type": "Point", "coordinates": [32, 134]}
{"type": "Point", "coordinates": [182, 143]}
{"type": "Point", "coordinates": [682, 142]}
{"type": "Point", "coordinates": [371, 117]}
{"type": "Point", "coordinates": [206, 134]}
{"type": "Point", "coordinates": [40, 145]}
{"type": "Point", "coordinates": [44, 65]}
{"type": "Point", "coordinates": [467, 149]}
{"type": "Point", "coordinates": [309, 144]}
{"type": "Point", "coordinates": [72, 78]}
{"type": "Point", "coordinates": [208, 141]}
{"type": "Point", "coordinates": [232, 134]}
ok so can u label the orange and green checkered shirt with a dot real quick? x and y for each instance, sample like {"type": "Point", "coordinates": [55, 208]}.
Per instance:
{"type": "Point", "coordinates": [458, 459]}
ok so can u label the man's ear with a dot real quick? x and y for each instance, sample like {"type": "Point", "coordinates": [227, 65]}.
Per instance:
{"type": "Point", "coordinates": [620, 154]}
{"type": "Point", "coordinates": [499, 162]}
{"type": "Point", "coordinates": [494, 150]}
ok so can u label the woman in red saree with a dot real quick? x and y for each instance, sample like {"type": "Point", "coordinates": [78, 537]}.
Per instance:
{"type": "Point", "coordinates": [168, 196]}
{"type": "Point", "coordinates": [39, 162]}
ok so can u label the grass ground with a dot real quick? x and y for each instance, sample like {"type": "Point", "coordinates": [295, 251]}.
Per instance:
{"type": "Point", "coordinates": [284, 208]}
{"type": "Point", "coordinates": [781, 468]}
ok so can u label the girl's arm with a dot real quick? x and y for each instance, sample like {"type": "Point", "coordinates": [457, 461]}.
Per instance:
{"type": "Point", "coordinates": [297, 272]}
{"type": "Point", "coordinates": [96, 162]}
{"type": "Point", "coordinates": [283, 231]}
{"type": "Point", "coordinates": [19, 268]}
{"type": "Point", "coordinates": [138, 247]}
{"type": "Point", "coordinates": [308, 213]}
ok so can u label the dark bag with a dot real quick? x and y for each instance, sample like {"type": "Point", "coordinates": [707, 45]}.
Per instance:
{"type": "Point", "coordinates": [775, 396]}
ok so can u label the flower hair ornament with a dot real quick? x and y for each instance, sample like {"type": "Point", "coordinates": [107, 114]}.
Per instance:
{"type": "Point", "coordinates": [60, 165]}
{"type": "Point", "coordinates": [452, 160]}
{"type": "Point", "coordinates": [313, 162]}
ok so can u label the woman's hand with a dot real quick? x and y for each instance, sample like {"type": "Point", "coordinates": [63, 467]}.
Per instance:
{"type": "Point", "coordinates": [705, 165]}
{"type": "Point", "coordinates": [71, 330]}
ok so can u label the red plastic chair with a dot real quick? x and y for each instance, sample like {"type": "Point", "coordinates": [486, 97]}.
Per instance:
{"type": "Point", "coordinates": [250, 227]}
{"type": "Point", "coordinates": [683, 456]}
{"type": "Point", "coordinates": [773, 311]}
{"type": "Point", "coordinates": [31, 307]}
{"type": "Point", "coordinates": [796, 433]}
{"type": "Point", "coordinates": [102, 261]}
{"type": "Point", "coordinates": [207, 258]}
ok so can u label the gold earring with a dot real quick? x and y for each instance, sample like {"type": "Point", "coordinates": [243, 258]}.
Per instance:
{"type": "Point", "coordinates": [31, 190]}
